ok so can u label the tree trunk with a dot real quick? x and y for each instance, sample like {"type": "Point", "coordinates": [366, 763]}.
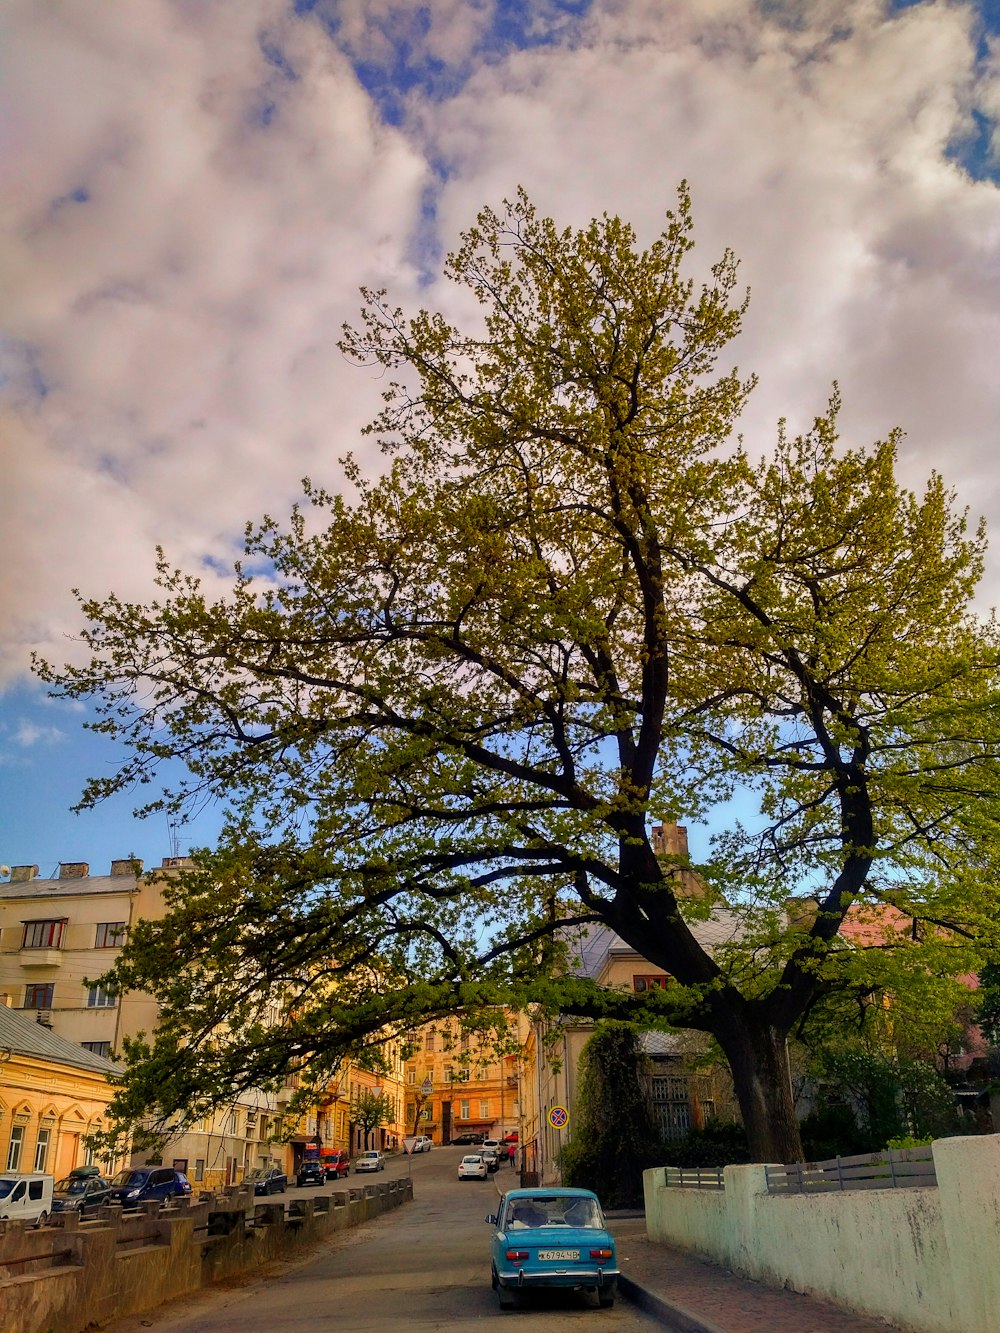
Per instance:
{"type": "Point", "coordinates": [758, 1058]}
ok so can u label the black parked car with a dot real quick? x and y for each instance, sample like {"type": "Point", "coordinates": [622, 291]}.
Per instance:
{"type": "Point", "coordinates": [467, 1140]}
{"type": "Point", "coordinates": [82, 1191]}
{"type": "Point", "coordinates": [267, 1180]}
{"type": "Point", "coordinates": [311, 1173]}
{"type": "Point", "coordinates": [143, 1184]}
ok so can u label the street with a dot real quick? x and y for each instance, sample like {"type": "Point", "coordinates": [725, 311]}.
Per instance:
{"type": "Point", "coordinates": [425, 1266]}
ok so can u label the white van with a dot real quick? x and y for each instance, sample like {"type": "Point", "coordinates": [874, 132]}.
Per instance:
{"type": "Point", "coordinates": [26, 1198]}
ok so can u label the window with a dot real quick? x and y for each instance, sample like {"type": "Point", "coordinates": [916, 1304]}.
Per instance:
{"type": "Point", "coordinates": [199, 1168]}
{"type": "Point", "coordinates": [449, 1075]}
{"type": "Point", "coordinates": [43, 934]}
{"type": "Point", "coordinates": [110, 935]}
{"type": "Point", "coordinates": [655, 982]}
{"type": "Point", "coordinates": [97, 998]}
{"type": "Point", "coordinates": [39, 996]}
{"type": "Point", "coordinates": [97, 1047]}
{"type": "Point", "coordinates": [429, 1042]}
{"type": "Point", "coordinates": [411, 1076]}
{"type": "Point", "coordinates": [42, 1148]}
{"type": "Point", "coordinates": [484, 1110]}
{"type": "Point", "coordinates": [16, 1144]}
{"type": "Point", "coordinates": [463, 1111]}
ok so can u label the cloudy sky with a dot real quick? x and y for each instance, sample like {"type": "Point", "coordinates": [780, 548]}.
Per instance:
{"type": "Point", "coordinates": [192, 193]}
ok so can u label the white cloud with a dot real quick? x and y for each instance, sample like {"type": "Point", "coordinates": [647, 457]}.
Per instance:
{"type": "Point", "coordinates": [193, 193]}
{"type": "Point", "coordinates": [28, 734]}
{"type": "Point", "coordinates": [190, 229]}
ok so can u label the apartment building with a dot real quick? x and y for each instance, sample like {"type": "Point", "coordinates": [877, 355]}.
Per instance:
{"type": "Point", "coordinates": [459, 1082]}
{"type": "Point", "coordinates": [58, 935]}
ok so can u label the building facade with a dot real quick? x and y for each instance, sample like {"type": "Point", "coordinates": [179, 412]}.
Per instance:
{"type": "Point", "coordinates": [57, 937]}
{"type": "Point", "coordinates": [53, 1094]}
{"type": "Point", "coordinates": [459, 1082]}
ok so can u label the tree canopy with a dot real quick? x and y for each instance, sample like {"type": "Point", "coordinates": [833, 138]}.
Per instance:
{"type": "Point", "coordinates": [443, 706]}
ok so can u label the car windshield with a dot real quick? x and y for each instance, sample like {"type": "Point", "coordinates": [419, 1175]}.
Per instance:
{"type": "Point", "coordinates": [369, 1154]}
{"type": "Point", "coordinates": [472, 1159]}
{"type": "Point", "coordinates": [128, 1177]}
{"type": "Point", "coordinates": [6, 1186]}
{"type": "Point", "coordinates": [552, 1210]}
{"type": "Point", "coordinates": [71, 1185]}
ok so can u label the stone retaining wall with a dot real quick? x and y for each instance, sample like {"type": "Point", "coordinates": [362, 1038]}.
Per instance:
{"type": "Point", "coordinates": [71, 1275]}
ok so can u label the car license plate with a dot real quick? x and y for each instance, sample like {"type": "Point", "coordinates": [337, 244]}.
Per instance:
{"type": "Point", "coordinates": [557, 1254]}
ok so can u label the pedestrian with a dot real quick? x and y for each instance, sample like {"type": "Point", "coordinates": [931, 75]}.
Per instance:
{"type": "Point", "coordinates": [511, 1154]}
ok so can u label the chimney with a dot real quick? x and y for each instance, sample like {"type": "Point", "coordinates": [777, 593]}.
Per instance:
{"type": "Point", "coordinates": [73, 869]}
{"type": "Point", "coordinates": [21, 873]}
{"type": "Point", "coordinates": [671, 840]}
{"type": "Point", "coordinates": [130, 865]}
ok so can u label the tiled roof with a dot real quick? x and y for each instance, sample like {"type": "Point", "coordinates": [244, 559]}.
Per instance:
{"type": "Point", "coordinates": [23, 1036]}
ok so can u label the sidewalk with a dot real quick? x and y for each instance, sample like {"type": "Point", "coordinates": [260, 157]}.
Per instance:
{"type": "Point", "coordinates": [690, 1295]}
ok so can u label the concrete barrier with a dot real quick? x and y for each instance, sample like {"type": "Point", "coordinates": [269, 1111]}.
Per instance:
{"type": "Point", "coordinates": [72, 1274]}
{"type": "Point", "coordinates": [924, 1257]}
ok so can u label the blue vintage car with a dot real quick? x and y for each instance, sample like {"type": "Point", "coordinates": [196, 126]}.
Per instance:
{"type": "Point", "coordinates": [552, 1238]}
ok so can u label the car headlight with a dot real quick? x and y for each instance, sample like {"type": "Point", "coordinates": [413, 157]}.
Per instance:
{"type": "Point", "coordinates": [132, 1194]}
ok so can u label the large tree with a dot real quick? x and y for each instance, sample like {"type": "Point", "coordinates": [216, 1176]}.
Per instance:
{"type": "Point", "coordinates": [444, 706]}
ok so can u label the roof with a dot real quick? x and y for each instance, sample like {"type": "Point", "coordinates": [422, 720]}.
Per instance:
{"type": "Point", "coordinates": [662, 1043]}
{"type": "Point", "coordinates": [601, 941]}
{"type": "Point", "coordinates": [23, 1036]}
{"type": "Point", "coordinates": [68, 888]}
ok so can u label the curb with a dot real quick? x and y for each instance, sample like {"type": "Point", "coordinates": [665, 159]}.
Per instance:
{"type": "Point", "coordinates": [675, 1317]}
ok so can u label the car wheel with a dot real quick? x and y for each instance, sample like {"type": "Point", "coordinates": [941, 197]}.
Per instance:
{"type": "Point", "coordinates": [605, 1301]}
{"type": "Point", "coordinates": [506, 1298]}
{"type": "Point", "coordinates": [493, 1277]}
{"type": "Point", "coordinates": [42, 1220]}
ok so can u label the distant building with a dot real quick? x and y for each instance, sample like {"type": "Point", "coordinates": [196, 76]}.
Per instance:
{"type": "Point", "coordinates": [681, 1096]}
{"type": "Point", "coordinates": [459, 1082]}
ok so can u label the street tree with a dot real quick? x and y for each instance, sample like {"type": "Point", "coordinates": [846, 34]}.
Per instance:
{"type": "Point", "coordinates": [443, 706]}
{"type": "Point", "coordinates": [369, 1110]}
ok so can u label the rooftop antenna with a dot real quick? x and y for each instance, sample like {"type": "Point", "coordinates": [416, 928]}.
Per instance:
{"type": "Point", "coordinates": [173, 839]}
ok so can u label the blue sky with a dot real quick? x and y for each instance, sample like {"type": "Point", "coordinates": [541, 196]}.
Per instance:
{"type": "Point", "coordinates": [194, 193]}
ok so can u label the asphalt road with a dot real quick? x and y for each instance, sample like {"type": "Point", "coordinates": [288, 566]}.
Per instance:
{"type": "Point", "coordinates": [422, 1266]}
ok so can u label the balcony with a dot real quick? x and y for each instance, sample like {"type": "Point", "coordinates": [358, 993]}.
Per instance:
{"type": "Point", "coordinates": [39, 957]}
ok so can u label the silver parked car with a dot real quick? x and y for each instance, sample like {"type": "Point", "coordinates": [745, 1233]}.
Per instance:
{"type": "Point", "coordinates": [369, 1161]}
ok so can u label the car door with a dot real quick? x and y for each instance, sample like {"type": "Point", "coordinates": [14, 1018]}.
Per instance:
{"type": "Point", "coordinates": [161, 1185]}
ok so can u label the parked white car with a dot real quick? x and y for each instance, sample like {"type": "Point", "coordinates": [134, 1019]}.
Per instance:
{"type": "Point", "coordinates": [369, 1161]}
{"type": "Point", "coordinates": [472, 1167]}
{"type": "Point", "coordinates": [423, 1144]}
{"type": "Point", "coordinates": [26, 1197]}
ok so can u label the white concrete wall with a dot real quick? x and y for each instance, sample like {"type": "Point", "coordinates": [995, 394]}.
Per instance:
{"type": "Point", "coordinates": [927, 1258]}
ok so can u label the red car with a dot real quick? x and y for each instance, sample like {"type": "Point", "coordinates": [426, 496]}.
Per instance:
{"type": "Point", "coordinates": [336, 1165]}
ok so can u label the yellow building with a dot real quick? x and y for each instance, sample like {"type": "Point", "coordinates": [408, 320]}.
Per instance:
{"type": "Point", "coordinates": [53, 1093]}
{"type": "Point", "coordinates": [461, 1082]}
{"type": "Point", "coordinates": [56, 935]}
{"type": "Point", "coordinates": [330, 1123]}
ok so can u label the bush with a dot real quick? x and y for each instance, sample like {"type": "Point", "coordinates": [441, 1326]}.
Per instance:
{"type": "Point", "coordinates": [832, 1131]}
